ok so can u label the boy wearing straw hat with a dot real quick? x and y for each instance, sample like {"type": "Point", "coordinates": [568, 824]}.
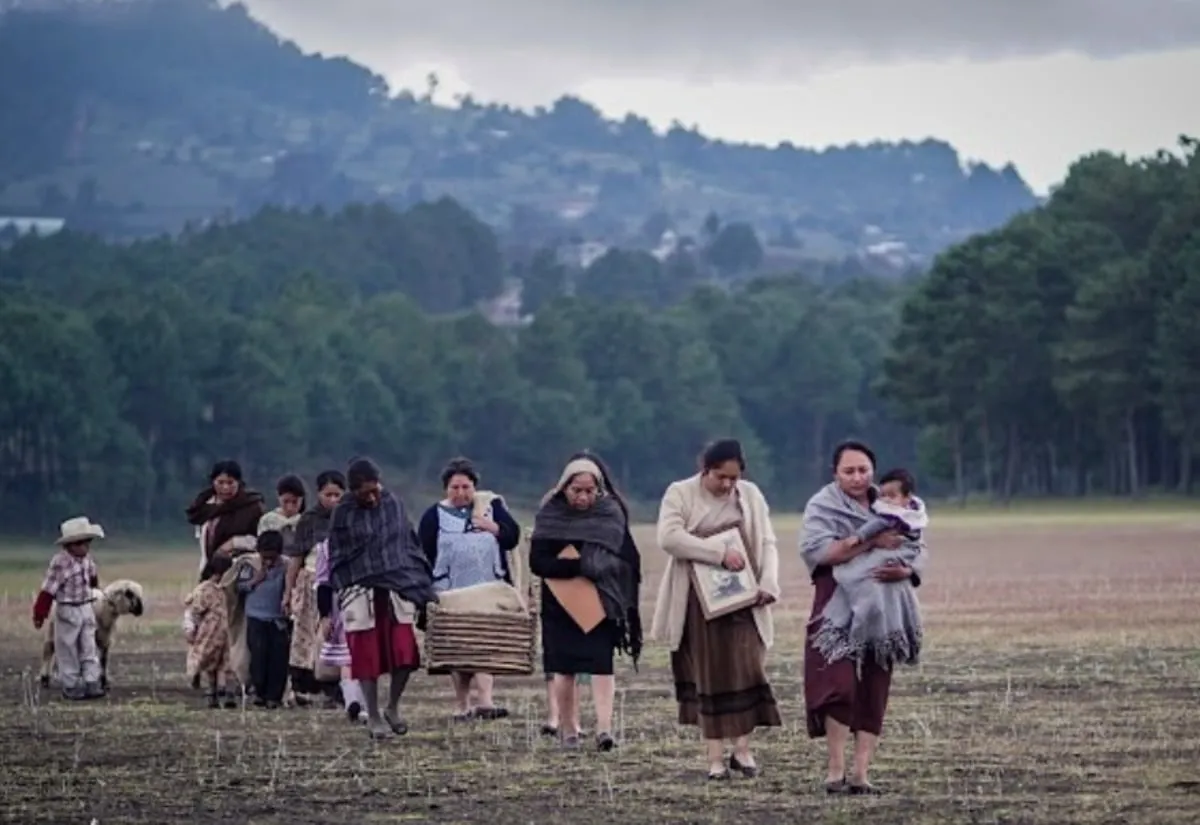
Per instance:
{"type": "Point", "coordinates": [67, 588]}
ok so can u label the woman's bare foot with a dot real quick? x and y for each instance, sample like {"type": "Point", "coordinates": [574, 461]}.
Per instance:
{"type": "Point", "coordinates": [379, 729]}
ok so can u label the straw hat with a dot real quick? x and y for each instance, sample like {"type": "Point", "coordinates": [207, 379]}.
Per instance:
{"type": "Point", "coordinates": [79, 529]}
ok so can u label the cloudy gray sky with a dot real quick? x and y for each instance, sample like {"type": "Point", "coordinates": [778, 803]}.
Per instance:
{"type": "Point", "coordinates": [1037, 82]}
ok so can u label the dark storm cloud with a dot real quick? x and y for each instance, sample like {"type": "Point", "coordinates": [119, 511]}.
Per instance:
{"type": "Point", "coordinates": [570, 40]}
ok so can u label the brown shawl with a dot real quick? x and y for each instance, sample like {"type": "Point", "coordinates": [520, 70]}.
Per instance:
{"type": "Point", "coordinates": [237, 517]}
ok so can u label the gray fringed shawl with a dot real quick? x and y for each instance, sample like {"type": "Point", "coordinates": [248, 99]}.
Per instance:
{"type": "Point", "coordinates": [864, 616]}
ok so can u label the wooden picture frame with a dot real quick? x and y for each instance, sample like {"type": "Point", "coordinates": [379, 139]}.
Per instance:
{"type": "Point", "coordinates": [722, 591]}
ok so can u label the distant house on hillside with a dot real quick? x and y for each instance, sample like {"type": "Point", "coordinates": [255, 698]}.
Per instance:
{"type": "Point", "coordinates": [582, 254]}
{"type": "Point", "coordinates": [574, 210]}
{"type": "Point", "coordinates": [22, 225]}
{"type": "Point", "coordinates": [895, 253]}
{"type": "Point", "coordinates": [505, 309]}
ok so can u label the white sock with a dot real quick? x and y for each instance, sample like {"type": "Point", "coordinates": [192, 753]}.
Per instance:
{"type": "Point", "coordinates": [352, 692]}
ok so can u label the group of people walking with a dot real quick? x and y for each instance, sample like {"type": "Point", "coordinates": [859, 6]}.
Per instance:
{"type": "Point", "coordinates": [337, 589]}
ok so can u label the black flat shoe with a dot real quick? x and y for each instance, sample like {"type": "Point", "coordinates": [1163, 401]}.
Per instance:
{"type": "Point", "coordinates": [549, 730]}
{"type": "Point", "coordinates": [836, 786]}
{"type": "Point", "coordinates": [863, 789]}
{"type": "Point", "coordinates": [718, 776]}
{"type": "Point", "coordinates": [748, 771]}
{"type": "Point", "coordinates": [605, 742]}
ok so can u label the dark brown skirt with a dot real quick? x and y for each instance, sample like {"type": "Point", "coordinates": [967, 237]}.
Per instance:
{"type": "Point", "coordinates": [837, 691]}
{"type": "Point", "coordinates": [720, 675]}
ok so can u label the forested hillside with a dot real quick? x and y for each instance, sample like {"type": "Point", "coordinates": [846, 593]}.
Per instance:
{"type": "Point", "coordinates": [1060, 354]}
{"type": "Point", "coordinates": [135, 117]}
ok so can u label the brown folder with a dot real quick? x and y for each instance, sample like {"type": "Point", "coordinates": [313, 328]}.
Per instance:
{"type": "Point", "coordinates": [578, 596]}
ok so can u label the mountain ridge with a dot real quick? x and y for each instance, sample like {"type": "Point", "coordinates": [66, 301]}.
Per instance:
{"type": "Point", "coordinates": [164, 113]}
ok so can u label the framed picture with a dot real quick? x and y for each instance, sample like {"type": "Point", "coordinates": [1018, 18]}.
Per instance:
{"type": "Point", "coordinates": [722, 591]}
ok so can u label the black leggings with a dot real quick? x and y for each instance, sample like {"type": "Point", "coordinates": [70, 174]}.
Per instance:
{"type": "Point", "coordinates": [269, 645]}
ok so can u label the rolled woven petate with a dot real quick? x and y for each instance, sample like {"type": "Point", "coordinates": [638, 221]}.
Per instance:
{"type": "Point", "coordinates": [487, 628]}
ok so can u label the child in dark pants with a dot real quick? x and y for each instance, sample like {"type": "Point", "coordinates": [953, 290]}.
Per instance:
{"type": "Point", "coordinates": [267, 632]}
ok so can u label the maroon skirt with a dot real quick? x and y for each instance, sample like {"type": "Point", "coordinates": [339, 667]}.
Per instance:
{"type": "Point", "coordinates": [389, 646]}
{"type": "Point", "coordinates": [836, 690]}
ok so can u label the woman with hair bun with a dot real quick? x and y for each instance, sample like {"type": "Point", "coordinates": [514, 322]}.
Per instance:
{"type": "Point", "coordinates": [719, 663]}
{"type": "Point", "coordinates": [467, 537]}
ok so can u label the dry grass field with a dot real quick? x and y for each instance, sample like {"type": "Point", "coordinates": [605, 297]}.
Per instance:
{"type": "Point", "coordinates": [1061, 685]}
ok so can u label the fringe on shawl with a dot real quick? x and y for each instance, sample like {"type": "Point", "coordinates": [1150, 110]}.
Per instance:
{"type": "Point", "coordinates": [901, 647]}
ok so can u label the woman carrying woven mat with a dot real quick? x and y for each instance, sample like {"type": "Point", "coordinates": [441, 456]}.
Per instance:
{"type": "Point", "coordinates": [467, 537]}
{"type": "Point", "coordinates": [719, 663]}
{"type": "Point", "coordinates": [584, 512]}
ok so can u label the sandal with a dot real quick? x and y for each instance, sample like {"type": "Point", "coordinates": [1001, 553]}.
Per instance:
{"type": "Point", "coordinates": [379, 733]}
{"type": "Point", "coordinates": [398, 725]}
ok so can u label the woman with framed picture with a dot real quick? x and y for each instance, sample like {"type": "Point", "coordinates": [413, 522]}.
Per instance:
{"type": "Point", "coordinates": [714, 604]}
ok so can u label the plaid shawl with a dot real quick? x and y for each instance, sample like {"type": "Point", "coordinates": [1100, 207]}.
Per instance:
{"type": "Point", "coordinates": [378, 547]}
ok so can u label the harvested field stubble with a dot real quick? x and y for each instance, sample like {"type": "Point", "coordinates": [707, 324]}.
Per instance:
{"type": "Point", "coordinates": [1061, 684]}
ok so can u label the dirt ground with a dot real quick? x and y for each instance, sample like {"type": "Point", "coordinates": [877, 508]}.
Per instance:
{"type": "Point", "coordinates": [1061, 684]}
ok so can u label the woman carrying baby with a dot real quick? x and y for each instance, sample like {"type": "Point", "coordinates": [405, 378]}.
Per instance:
{"type": "Point", "coordinates": [865, 617]}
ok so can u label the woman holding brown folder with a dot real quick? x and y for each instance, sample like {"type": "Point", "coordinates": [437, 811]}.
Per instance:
{"type": "Point", "coordinates": [591, 570]}
{"type": "Point", "coordinates": [717, 519]}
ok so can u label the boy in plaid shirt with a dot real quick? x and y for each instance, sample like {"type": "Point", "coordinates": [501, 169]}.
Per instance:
{"type": "Point", "coordinates": [67, 588]}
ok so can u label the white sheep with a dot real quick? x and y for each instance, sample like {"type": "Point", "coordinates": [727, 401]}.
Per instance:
{"type": "Point", "coordinates": [120, 598]}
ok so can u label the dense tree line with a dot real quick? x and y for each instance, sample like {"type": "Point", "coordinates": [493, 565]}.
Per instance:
{"type": "Point", "coordinates": [298, 339]}
{"type": "Point", "coordinates": [1060, 354]}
